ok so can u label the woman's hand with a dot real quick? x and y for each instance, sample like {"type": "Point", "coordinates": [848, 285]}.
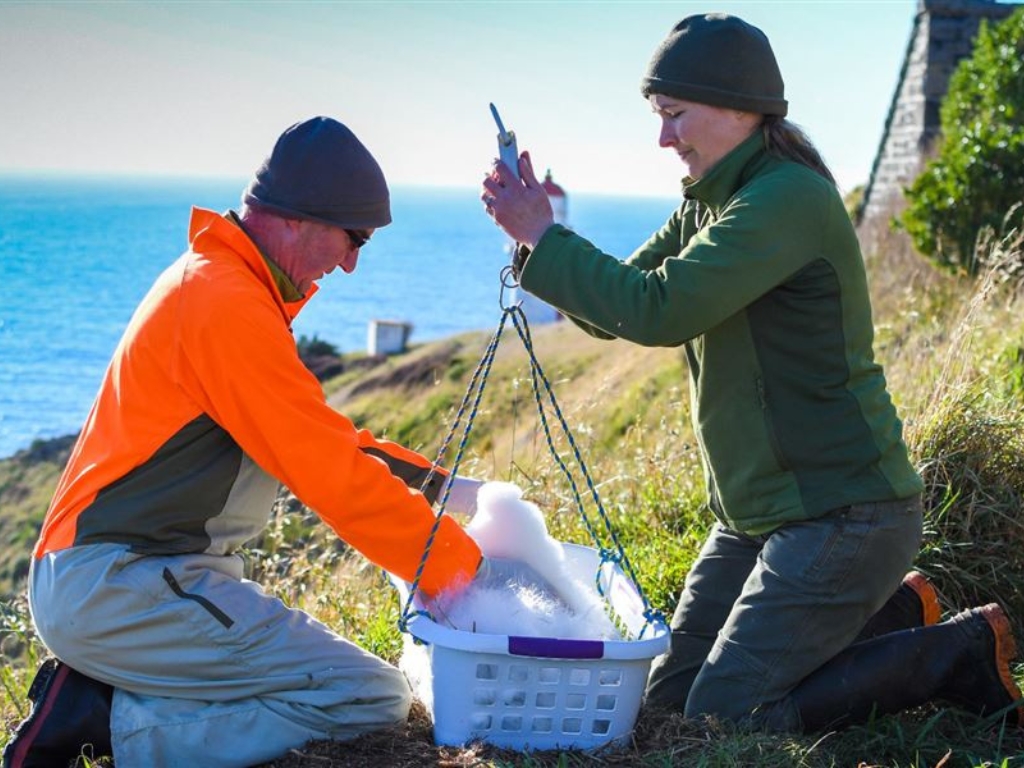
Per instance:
{"type": "Point", "coordinates": [519, 206]}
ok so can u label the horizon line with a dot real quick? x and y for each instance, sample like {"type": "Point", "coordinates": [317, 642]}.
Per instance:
{"type": "Point", "coordinates": [57, 174]}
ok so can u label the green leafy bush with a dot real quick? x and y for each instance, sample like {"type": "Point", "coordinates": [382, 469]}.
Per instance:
{"type": "Point", "coordinates": [314, 347]}
{"type": "Point", "coordinates": [978, 175]}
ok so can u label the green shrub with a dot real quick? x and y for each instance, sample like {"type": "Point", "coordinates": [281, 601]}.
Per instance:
{"type": "Point", "coordinates": [316, 347]}
{"type": "Point", "coordinates": [854, 201]}
{"type": "Point", "coordinates": [978, 175]}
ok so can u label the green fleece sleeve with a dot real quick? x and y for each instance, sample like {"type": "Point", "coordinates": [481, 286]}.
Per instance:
{"type": "Point", "coordinates": [766, 232]}
{"type": "Point", "coordinates": [661, 245]}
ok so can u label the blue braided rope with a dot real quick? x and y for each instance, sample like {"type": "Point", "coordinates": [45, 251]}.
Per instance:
{"type": "Point", "coordinates": [619, 556]}
{"type": "Point", "coordinates": [519, 322]}
{"type": "Point", "coordinates": [476, 385]}
{"type": "Point", "coordinates": [474, 392]}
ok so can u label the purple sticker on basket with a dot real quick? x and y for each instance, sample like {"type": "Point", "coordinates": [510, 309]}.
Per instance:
{"type": "Point", "coordinates": [555, 648]}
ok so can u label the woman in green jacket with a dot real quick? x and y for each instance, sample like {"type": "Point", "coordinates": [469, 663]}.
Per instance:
{"type": "Point", "coordinates": [793, 617]}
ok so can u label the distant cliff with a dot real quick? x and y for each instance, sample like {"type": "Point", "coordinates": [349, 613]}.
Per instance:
{"type": "Point", "coordinates": [27, 480]}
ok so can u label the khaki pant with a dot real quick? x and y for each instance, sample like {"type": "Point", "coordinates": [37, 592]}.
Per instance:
{"type": "Point", "coordinates": [758, 614]}
{"type": "Point", "coordinates": [208, 670]}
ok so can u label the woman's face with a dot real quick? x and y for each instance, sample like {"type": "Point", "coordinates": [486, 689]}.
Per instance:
{"type": "Point", "coordinates": [700, 134]}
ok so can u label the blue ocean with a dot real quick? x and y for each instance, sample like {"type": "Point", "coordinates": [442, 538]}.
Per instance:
{"type": "Point", "coordinates": [78, 253]}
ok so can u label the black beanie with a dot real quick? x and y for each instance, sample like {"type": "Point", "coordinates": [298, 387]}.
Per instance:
{"type": "Point", "coordinates": [320, 171]}
{"type": "Point", "coordinates": [719, 60]}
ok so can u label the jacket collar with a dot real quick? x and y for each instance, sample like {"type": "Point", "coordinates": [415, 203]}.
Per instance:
{"type": "Point", "coordinates": [206, 226]}
{"type": "Point", "coordinates": [718, 185]}
{"type": "Point", "coordinates": [284, 283]}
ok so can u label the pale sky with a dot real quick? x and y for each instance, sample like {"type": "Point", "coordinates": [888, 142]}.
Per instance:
{"type": "Point", "coordinates": [204, 88]}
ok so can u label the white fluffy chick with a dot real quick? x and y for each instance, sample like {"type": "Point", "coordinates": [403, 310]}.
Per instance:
{"type": "Point", "coordinates": [507, 526]}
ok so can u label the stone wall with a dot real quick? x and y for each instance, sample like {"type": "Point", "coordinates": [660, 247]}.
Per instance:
{"type": "Point", "coordinates": [943, 34]}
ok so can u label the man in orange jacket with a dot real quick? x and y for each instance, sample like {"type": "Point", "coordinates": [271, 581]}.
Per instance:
{"type": "Point", "coordinates": [166, 653]}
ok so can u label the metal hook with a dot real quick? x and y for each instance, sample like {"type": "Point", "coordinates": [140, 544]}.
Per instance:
{"type": "Point", "coordinates": [509, 282]}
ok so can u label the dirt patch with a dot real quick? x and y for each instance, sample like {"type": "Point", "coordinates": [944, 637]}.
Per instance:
{"type": "Point", "coordinates": [411, 745]}
{"type": "Point", "coordinates": [420, 370]}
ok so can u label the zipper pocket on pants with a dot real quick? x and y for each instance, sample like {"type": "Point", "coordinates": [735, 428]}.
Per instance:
{"type": "Point", "coordinates": [216, 612]}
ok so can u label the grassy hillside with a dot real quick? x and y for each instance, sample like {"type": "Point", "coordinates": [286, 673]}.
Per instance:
{"type": "Point", "coordinates": [954, 357]}
{"type": "Point", "coordinates": [27, 481]}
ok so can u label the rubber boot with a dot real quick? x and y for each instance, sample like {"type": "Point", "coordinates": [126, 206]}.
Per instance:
{"type": "Point", "coordinates": [915, 603]}
{"type": "Point", "coordinates": [70, 713]}
{"type": "Point", "coordinates": [964, 661]}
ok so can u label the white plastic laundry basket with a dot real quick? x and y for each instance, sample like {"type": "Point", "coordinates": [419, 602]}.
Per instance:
{"type": "Point", "coordinates": [532, 693]}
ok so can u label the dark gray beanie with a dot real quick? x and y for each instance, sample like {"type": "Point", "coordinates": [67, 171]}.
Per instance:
{"type": "Point", "coordinates": [320, 171]}
{"type": "Point", "coordinates": [719, 60]}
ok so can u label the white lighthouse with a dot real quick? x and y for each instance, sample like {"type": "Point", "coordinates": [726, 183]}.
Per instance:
{"type": "Point", "coordinates": [559, 201]}
{"type": "Point", "coordinates": [538, 311]}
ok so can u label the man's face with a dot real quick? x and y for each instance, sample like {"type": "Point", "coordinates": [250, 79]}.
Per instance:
{"type": "Point", "coordinates": [317, 249]}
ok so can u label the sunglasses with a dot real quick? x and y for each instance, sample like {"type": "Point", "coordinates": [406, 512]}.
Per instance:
{"type": "Point", "coordinates": [359, 239]}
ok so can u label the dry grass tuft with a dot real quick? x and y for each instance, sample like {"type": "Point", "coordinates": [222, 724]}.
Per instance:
{"type": "Point", "coordinates": [969, 442]}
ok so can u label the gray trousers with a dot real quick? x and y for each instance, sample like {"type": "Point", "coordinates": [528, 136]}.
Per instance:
{"type": "Point", "coordinates": [207, 668]}
{"type": "Point", "coordinates": [758, 614]}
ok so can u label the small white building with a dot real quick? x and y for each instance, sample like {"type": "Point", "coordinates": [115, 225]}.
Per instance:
{"type": "Point", "coordinates": [387, 337]}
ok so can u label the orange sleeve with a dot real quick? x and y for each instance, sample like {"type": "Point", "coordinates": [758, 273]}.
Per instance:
{"type": "Point", "coordinates": [239, 362]}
